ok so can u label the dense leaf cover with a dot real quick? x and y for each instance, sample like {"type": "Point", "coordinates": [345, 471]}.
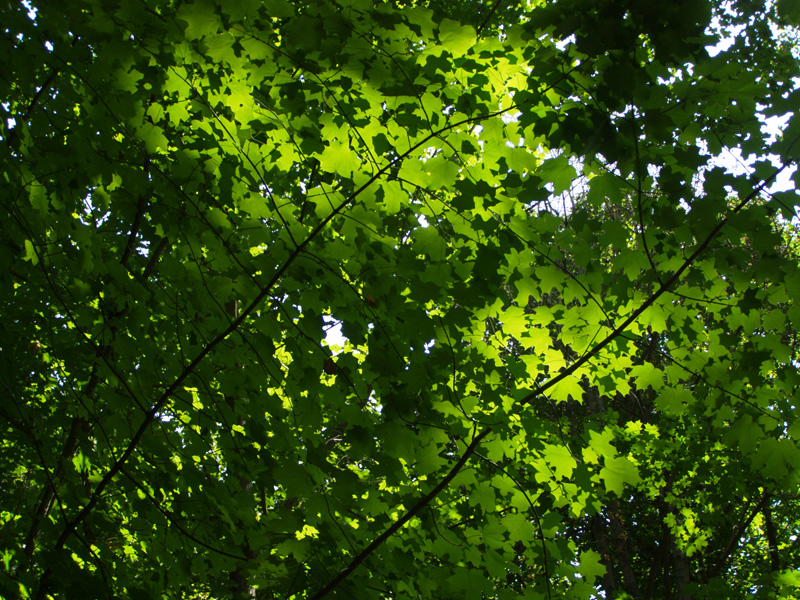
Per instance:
{"type": "Point", "coordinates": [567, 361]}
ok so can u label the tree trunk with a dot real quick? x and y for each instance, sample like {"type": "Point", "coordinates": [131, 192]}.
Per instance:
{"type": "Point", "coordinates": [629, 582]}
{"type": "Point", "coordinates": [601, 542]}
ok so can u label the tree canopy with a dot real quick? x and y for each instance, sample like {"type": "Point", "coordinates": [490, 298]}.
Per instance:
{"type": "Point", "coordinates": [377, 300]}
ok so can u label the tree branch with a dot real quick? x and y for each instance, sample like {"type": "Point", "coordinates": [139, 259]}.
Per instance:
{"type": "Point", "coordinates": [653, 297]}
{"type": "Point", "coordinates": [738, 532]}
{"type": "Point", "coordinates": [152, 414]}
{"type": "Point", "coordinates": [423, 502]}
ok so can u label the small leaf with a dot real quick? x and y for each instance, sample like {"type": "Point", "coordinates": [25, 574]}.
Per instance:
{"type": "Point", "coordinates": [30, 253]}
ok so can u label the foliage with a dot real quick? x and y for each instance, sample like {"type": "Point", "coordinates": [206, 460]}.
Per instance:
{"type": "Point", "coordinates": [568, 355]}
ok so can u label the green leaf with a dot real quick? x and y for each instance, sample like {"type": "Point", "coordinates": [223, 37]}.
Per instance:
{"type": "Point", "coordinates": [455, 37]}
{"type": "Point", "coordinates": [393, 196]}
{"type": "Point", "coordinates": [286, 287]}
{"type": "Point", "coordinates": [200, 17]}
{"type": "Point", "coordinates": [777, 458]}
{"type": "Point", "coordinates": [428, 241]}
{"type": "Point", "coordinates": [560, 461]}
{"type": "Point", "coordinates": [38, 198]}
{"type": "Point", "coordinates": [278, 8]}
{"type": "Point", "coordinates": [559, 172]}
{"type": "Point", "coordinates": [339, 158]}
{"type": "Point", "coordinates": [675, 401]}
{"type": "Point", "coordinates": [789, 11]}
{"type": "Point", "coordinates": [30, 253]}
{"type": "Point", "coordinates": [483, 495]}
{"type": "Point", "coordinates": [589, 566]}
{"type": "Point", "coordinates": [600, 445]}
{"type": "Point", "coordinates": [567, 389]}
{"type": "Point", "coordinates": [153, 138]}
{"type": "Point", "coordinates": [518, 526]}
{"type": "Point", "coordinates": [616, 472]}
{"type": "Point", "coordinates": [604, 188]}
{"type": "Point", "coordinates": [428, 459]}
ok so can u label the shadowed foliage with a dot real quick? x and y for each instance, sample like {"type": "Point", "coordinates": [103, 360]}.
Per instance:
{"type": "Point", "coordinates": [372, 300]}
